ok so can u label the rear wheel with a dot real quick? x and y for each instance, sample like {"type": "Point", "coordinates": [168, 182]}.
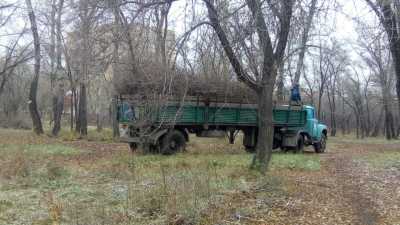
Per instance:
{"type": "Point", "coordinates": [284, 149]}
{"type": "Point", "coordinates": [300, 144]}
{"type": "Point", "coordinates": [250, 149]}
{"type": "Point", "coordinates": [133, 146]}
{"type": "Point", "coordinates": [321, 145]}
{"type": "Point", "coordinates": [174, 141]}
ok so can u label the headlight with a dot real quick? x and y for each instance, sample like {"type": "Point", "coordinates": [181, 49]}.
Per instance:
{"type": "Point", "coordinates": [123, 130]}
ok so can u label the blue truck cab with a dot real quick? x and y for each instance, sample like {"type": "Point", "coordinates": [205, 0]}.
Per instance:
{"type": "Point", "coordinates": [316, 131]}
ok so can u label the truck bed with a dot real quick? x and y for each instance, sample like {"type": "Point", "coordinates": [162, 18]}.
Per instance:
{"type": "Point", "coordinates": [223, 114]}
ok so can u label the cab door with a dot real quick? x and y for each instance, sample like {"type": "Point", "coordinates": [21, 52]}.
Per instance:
{"type": "Point", "coordinates": [312, 123]}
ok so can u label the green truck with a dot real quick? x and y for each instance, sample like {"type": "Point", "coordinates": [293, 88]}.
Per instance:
{"type": "Point", "coordinates": [165, 129]}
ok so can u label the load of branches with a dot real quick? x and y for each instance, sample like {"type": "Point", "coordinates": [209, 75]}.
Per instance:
{"type": "Point", "coordinates": [154, 83]}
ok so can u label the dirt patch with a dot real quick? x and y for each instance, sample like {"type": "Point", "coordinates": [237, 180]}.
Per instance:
{"type": "Point", "coordinates": [347, 173]}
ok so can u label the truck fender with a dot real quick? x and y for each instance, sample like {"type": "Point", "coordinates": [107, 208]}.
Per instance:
{"type": "Point", "coordinates": [156, 136]}
{"type": "Point", "coordinates": [185, 133]}
{"type": "Point", "coordinates": [321, 129]}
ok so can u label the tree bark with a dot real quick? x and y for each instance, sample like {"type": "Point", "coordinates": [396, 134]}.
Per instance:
{"type": "Point", "coordinates": [304, 40]}
{"type": "Point", "coordinates": [115, 67]}
{"type": "Point", "coordinates": [378, 125]}
{"type": "Point", "coordinates": [81, 121]}
{"type": "Point", "coordinates": [114, 117]}
{"type": "Point", "coordinates": [265, 129]}
{"type": "Point", "coordinates": [85, 14]}
{"type": "Point", "coordinates": [57, 84]}
{"type": "Point", "coordinates": [58, 108]}
{"type": "Point", "coordinates": [36, 120]}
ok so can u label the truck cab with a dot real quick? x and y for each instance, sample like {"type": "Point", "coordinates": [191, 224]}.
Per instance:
{"type": "Point", "coordinates": [316, 131]}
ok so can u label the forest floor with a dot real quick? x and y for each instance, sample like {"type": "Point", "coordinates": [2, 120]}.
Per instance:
{"type": "Point", "coordinates": [68, 181]}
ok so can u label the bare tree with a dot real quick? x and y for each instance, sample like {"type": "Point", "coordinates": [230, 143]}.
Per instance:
{"type": "Point", "coordinates": [304, 39]}
{"type": "Point", "coordinates": [56, 70]}
{"type": "Point", "coordinates": [13, 58]}
{"type": "Point", "coordinates": [33, 109]}
{"type": "Point", "coordinates": [263, 81]}
{"type": "Point", "coordinates": [378, 60]}
{"type": "Point", "coordinates": [88, 17]}
{"type": "Point", "coordinates": [386, 11]}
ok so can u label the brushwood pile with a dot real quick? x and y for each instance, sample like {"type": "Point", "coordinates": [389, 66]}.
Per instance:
{"type": "Point", "coordinates": [181, 86]}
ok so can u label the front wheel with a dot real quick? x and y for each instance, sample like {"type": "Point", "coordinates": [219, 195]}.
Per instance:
{"type": "Point", "coordinates": [321, 145]}
{"type": "Point", "coordinates": [133, 146]}
{"type": "Point", "coordinates": [250, 149]}
{"type": "Point", "coordinates": [174, 141]}
{"type": "Point", "coordinates": [300, 144]}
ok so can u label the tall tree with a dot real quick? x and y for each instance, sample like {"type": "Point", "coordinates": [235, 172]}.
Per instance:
{"type": "Point", "coordinates": [57, 84]}
{"type": "Point", "coordinates": [33, 109]}
{"type": "Point", "coordinates": [115, 64]}
{"type": "Point", "coordinates": [378, 60]}
{"type": "Point", "coordinates": [387, 11]}
{"type": "Point", "coordinates": [304, 40]}
{"type": "Point", "coordinates": [87, 16]}
{"type": "Point", "coordinates": [263, 81]}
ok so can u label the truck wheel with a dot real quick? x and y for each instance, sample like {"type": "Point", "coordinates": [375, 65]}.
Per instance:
{"type": "Point", "coordinates": [284, 149]}
{"type": "Point", "coordinates": [320, 146]}
{"type": "Point", "coordinates": [174, 141]}
{"type": "Point", "coordinates": [133, 146]}
{"type": "Point", "coordinates": [300, 144]}
{"type": "Point", "coordinates": [250, 149]}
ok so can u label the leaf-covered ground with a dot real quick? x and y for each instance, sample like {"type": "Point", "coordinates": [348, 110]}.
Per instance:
{"type": "Point", "coordinates": [68, 181]}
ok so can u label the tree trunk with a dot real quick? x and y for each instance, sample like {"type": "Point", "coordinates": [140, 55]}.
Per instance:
{"type": "Point", "coordinates": [378, 125]}
{"type": "Point", "coordinates": [390, 131]}
{"type": "Point", "coordinates": [114, 117]}
{"type": "Point", "coordinates": [57, 85]}
{"type": "Point", "coordinates": [281, 84]}
{"type": "Point", "coordinates": [81, 121]}
{"type": "Point", "coordinates": [36, 120]}
{"type": "Point", "coordinates": [58, 108]}
{"type": "Point", "coordinates": [265, 129]}
{"type": "Point", "coordinates": [116, 65]}
{"type": "Point", "coordinates": [304, 40]}
{"type": "Point", "coordinates": [319, 104]}
{"type": "Point", "coordinates": [85, 28]}
{"type": "Point", "coordinates": [99, 122]}
{"type": "Point", "coordinates": [72, 109]}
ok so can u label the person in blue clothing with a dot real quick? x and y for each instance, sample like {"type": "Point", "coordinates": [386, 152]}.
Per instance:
{"type": "Point", "coordinates": [295, 94]}
{"type": "Point", "coordinates": [128, 112]}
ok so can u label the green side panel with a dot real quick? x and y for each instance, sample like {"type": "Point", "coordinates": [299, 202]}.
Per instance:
{"type": "Point", "coordinates": [247, 116]}
{"type": "Point", "coordinates": [233, 116]}
{"type": "Point", "coordinates": [291, 117]}
{"type": "Point", "coordinates": [192, 114]}
{"type": "Point", "coordinates": [185, 114]}
{"type": "Point", "coordinates": [223, 115]}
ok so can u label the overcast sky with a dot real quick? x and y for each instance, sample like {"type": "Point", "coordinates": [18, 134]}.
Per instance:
{"type": "Point", "coordinates": [345, 28]}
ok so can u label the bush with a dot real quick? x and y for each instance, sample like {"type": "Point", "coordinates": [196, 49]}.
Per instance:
{"type": "Point", "coordinates": [16, 122]}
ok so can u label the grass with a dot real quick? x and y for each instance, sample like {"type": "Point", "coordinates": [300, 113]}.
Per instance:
{"type": "Point", "coordinates": [46, 181]}
{"type": "Point", "coordinates": [105, 135]}
{"type": "Point", "coordinates": [351, 138]}
{"type": "Point", "coordinates": [383, 160]}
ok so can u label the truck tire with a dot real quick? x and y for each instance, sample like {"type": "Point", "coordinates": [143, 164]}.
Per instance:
{"type": "Point", "coordinates": [250, 149]}
{"type": "Point", "coordinates": [133, 146]}
{"type": "Point", "coordinates": [320, 146]}
{"type": "Point", "coordinates": [300, 144]}
{"type": "Point", "coordinates": [174, 141]}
